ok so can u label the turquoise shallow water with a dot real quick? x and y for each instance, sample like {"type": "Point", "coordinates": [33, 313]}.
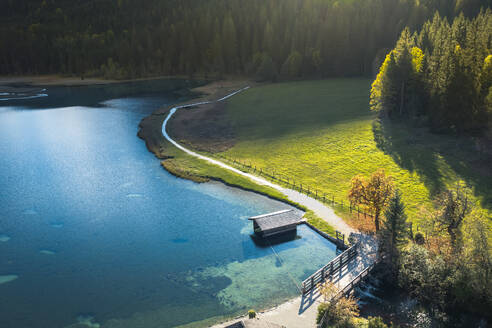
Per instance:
{"type": "Point", "coordinates": [92, 229]}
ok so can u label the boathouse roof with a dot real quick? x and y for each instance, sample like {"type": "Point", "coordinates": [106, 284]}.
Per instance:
{"type": "Point", "coordinates": [277, 220]}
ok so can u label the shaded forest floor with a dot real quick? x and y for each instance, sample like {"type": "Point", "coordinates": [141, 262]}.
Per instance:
{"type": "Point", "coordinates": [321, 133]}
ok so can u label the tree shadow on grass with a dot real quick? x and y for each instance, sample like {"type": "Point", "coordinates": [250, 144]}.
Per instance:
{"type": "Point", "coordinates": [438, 159]}
{"type": "Point", "coordinates": [273, 112]}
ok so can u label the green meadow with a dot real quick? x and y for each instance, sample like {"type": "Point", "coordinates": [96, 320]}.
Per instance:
{"type": "Point", "coordinates": [321, 134]}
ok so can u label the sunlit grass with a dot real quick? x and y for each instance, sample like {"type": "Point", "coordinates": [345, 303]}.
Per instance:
{"type": "Point", "coordinates": [321, 134]}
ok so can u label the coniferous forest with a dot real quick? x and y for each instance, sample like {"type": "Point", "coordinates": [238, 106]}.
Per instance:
{"type": "Point", "coordinates": [441, 75]}
{"type": "Point", "coordinates": [268, 39]}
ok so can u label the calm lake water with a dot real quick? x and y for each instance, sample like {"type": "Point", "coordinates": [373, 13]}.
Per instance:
{"type": "Point", "coordinates": [93, 230]}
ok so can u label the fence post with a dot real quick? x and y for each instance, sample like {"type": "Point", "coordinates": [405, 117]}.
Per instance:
{"type": "Point", "coordinates": [332, 200]}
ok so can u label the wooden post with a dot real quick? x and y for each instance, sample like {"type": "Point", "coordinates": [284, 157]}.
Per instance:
{"type": "Point", "coordinates": [333, 200]}
{"type": "Point", "coordinates": [316, 193]}
{"type": "Point", "coordinates": [342, 204]}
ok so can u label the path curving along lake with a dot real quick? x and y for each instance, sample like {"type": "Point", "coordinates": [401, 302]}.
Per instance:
{"type": "Point", "coordinates": [95, 232]}
{"type": "Point", "coordinates": [323, 211]}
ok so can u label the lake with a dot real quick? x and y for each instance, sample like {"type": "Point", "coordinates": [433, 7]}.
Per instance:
{"type": "Point", "coordinates": [93, 232]}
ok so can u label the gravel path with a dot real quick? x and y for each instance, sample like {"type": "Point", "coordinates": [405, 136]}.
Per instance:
{"type": "Point", "coordinates": [301, 311]}
{"type": "Point", "coordinates": [316, 206]}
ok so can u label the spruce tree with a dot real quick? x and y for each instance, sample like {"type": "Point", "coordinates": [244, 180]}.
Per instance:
{"type": "Point", "coordinates": [394, 231]}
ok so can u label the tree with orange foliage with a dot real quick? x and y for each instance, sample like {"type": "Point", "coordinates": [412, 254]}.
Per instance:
{"type": "Point", "coordinates": [373, 193]}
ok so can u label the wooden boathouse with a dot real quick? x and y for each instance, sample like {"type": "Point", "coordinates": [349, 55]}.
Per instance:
{"type": "Point", "coordinates": [275, 223]}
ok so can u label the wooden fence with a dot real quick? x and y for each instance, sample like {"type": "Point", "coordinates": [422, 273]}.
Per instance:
{"type": "Point", "coordinates": [329, 271]}
{"type": "Point", "coordinates": [295, 185]}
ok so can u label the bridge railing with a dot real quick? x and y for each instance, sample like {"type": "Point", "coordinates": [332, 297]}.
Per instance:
{"type": "Point", "coordinates": [347, 289]}
{"type": "Point", "coordinates": [329, 271]}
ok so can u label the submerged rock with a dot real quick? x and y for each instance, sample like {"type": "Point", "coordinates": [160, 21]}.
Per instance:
{"type": "Point", "coordinates": [8, 278]}
{"type": "Point", "coordinates": [86, 321]}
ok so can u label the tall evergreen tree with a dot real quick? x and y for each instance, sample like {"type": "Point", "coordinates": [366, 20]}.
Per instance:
{"type": "Point", "coordinates": [394, 231]}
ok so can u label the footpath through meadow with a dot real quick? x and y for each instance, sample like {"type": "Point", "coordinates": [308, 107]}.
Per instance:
{"type": "Point", "coordinates": [301, 311]}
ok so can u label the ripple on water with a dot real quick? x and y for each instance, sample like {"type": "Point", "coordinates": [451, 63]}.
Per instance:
{"type": "Point", "coordinates": [179, 240]}
{"type": "Point", "coordinates": [134, 195]}
{"type": "Point", "coordinates": [30, 212]}
{"type": "Point", "coordinates": [56, 225]}
{"type": "Point", "coordinates": [8, 278]}
{"type": "Point", "coordinates": [4, 238]}
{"type": "Point", "coordinates": [47, 252]}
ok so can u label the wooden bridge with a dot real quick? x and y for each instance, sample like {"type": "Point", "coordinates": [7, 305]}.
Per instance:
{"type": "Point", "coordinates": [329, 271]}
{"type": "Point", "coordinates": [347, 290]}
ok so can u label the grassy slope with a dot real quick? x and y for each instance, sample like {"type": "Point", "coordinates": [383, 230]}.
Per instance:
{"type": "Point", "coordinates": [321, 134]}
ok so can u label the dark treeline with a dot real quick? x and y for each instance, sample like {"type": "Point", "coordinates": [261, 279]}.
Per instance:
{"type": "Point", "coordinates": [266, 38]}
{"type": "Point", "coordinates": [440, 76]}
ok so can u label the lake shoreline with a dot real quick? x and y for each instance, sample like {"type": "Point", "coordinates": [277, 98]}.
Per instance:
{"type": "Point", "coordinates": [27, 86]}
{"type": "Point", "coordinates": [150, 130]}
{"type": "Point", "coordinates": [72, 81]}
